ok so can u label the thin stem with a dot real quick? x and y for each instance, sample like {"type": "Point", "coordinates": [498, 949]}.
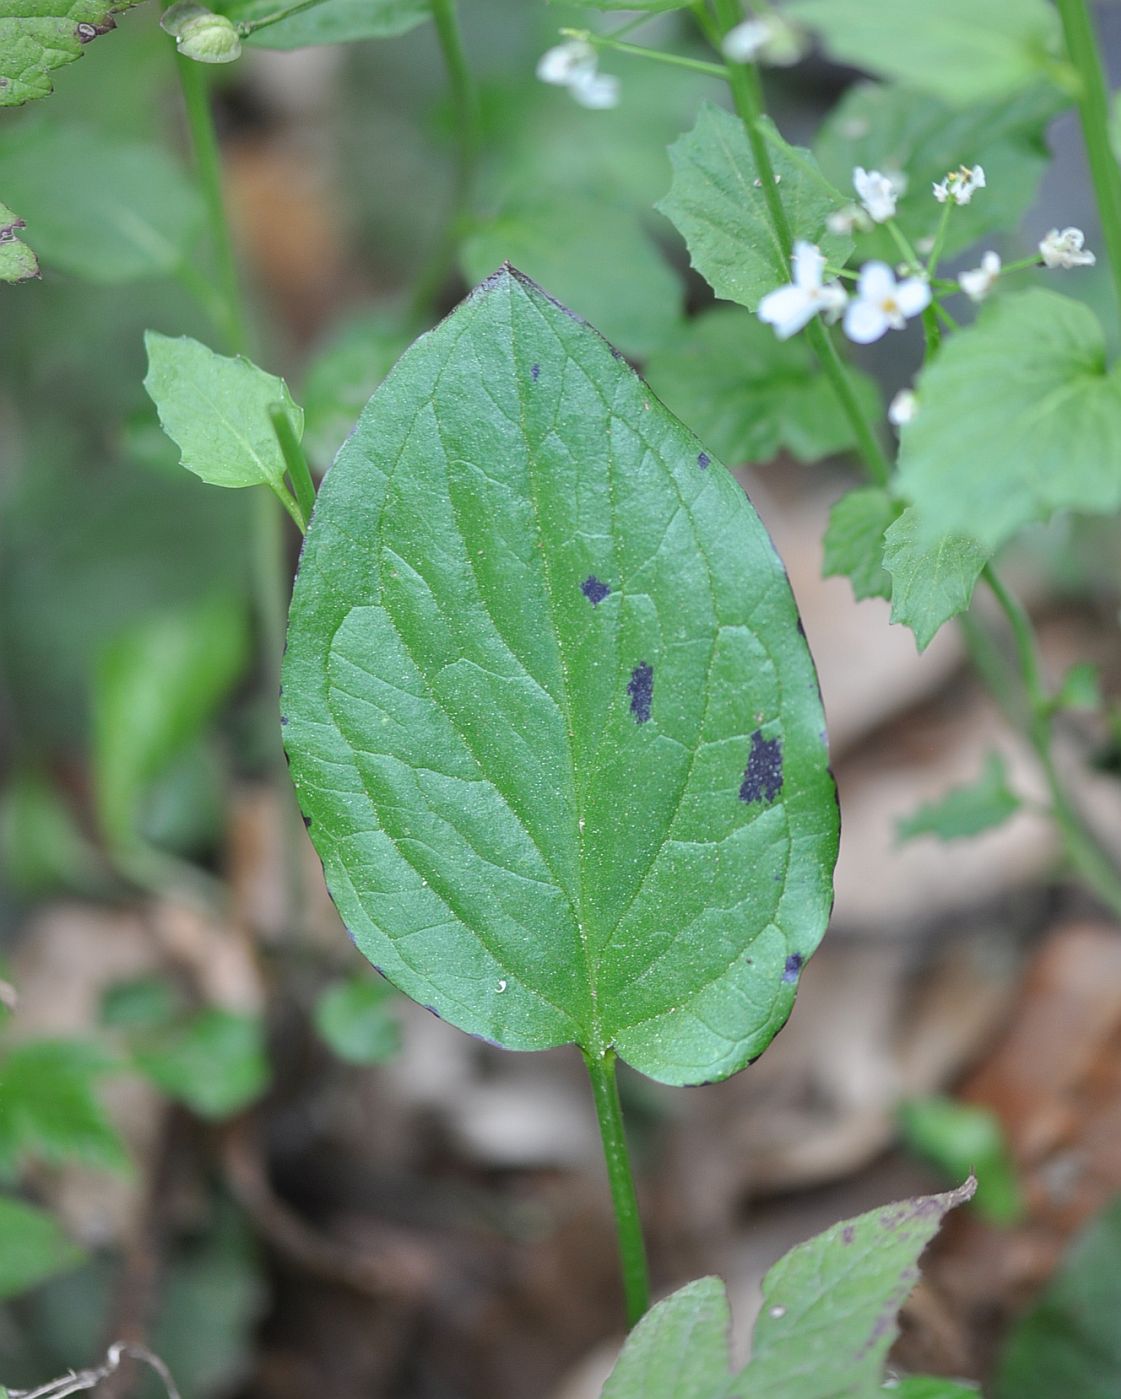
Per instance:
{"type": "Point", "coordinates": [296, 462]}
{"type": "Point", "coordinates": [608, 41]}
{"type": "Point", "coordinates": [1093, 110]}
{"type": "Point", "coordinates": [1085, 853]}
{"type": "Point", "coordinates": [251, 26]}
{"type": "Point", "coordinates": [465, 99]}
{"type": "Point", "coordinates": [632, 1249]}
{"type": "Point", "coordinates": [204, 139]}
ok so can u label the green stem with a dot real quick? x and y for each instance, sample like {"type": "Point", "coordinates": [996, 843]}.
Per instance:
{"type": "Point", "coordinates": [251, 26]}
{"type": "Point", "coordinates": [468, 113]}
{"type": "Point", "coordinates": [1087, 856]}
{"type": "Point", "coordinates": [296, 462]}
{"type": "Point", "coordinates": [632, 1249]}
{"type": "Point", "coordinates": [1093, 110]}
{"type": "Point", "coordinates": [204, 139]}
{"type": "Point", "coordinates": [675, 60]}
{"type": "Point", "coordinates": [744, 82]}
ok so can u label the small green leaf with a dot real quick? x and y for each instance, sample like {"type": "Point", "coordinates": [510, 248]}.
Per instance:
{"type": "Point", "coordinates": [679, 1350]}
{"type": "Point", "coordinates": [216, 410]}
{"type": "Point", "coordinates": [157, 684]}
{"type": "Point", "coordinates": [1043, 413]}
{"type": "Point", "coordinates": [1070, 1342]}
{"type": "Point", "coordinates": [968, 810]}
{"type": "Point", "coordinates": [38, 36]}
{"type": "Point", "coordinates": [717, 204]}
{"type": "Point", "coordinates": [355, 1019]}
{"type": "Point", "coordinates": [97, 206]}
{"type": "Point", "coordinates": [827, 1323]}
{"type": "Point", "coordinates": [1080, 688]}
{"type": "Point", "coordinates": [959, 50]}
{"type": "Point", "coordinates": [749, 395]}
{"type": "Point", "coordinates": [932, 581]}
{"type": "Point", "coordinates": [32, 1249]}
{"type": "Point", "coordinates": [575, 245]}
{"type": "Point", "coordinates": [959, 1137]}
{"type": "Point", "coordinates": [49, 1110]}
{"type": "Point", "coordinates": [330, 22]}
{"type": "Point", "coordinates": [899, 129]}
{"type": "Point", "coordinates": [343, 375]}
{"type": "Point", "coordinates": [41, 844]}
{"type": "Point", "coordinates": [145, 1003]}
{"type": "Point", "coordinates": [854, 540]}
{"type": "Point", "coordinates": [830, 1306]}
{"type": "Point", "coordinates": [931, 1387]}
{"type": "Point", "coordinates": [17, 262]}
{"type": "Point", "coordinates": [549, 712]}
{"type": "Point", "coordinates": [215, 1064]}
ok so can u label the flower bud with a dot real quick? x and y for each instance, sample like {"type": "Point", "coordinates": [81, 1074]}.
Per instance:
{"type": "Point", "coordinates": [209, 38]}
{"type": "Point", "coordinates": [177, 15]}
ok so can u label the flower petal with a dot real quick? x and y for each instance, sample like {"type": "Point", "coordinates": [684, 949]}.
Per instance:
{"type": "Point", "coordinates": [876, 282]}
{"type": "Point", "coordinates": [865, 322]}
{"type": "Point", "coordinates": [912, 296]}
{"type": "Point", "coordinates": [808, 263]}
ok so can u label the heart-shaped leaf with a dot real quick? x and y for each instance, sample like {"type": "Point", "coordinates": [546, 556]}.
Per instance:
{"type": "Point", "coordinates": [550, 716]}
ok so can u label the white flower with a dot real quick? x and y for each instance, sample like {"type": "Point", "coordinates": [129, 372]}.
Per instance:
{"type": "Point", "coordinates": [1065, 249]}
{"type": "Point", "coordinates": [598, 91]}
{"type": "Point", "coordinates": [771, 39]}
{"type": "Point", "coordinates": [902, 408]}
{"type": "Point", "coordinates": [789, 308]}
{"type": "Point", "coordinates": [882, 304]}
{"type": "Point", "coordinates": [878, 192]}
{"type": "Point", "coordinates": [746, 41]}
{"type": "Point", "coordinates": [567, 63]}
{"type": "Point", "coordinates": [850, 219]}
{"type": "Point", "coordinates": [980, 281]}
{"type": "Point", "coordinates": [960, 185]}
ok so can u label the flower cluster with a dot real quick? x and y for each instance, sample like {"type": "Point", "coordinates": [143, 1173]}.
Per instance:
{"type": "Point", "coordinates": [574, 65]}
{"type": "Point", "coordinates": [1066, 249]}
{"type": "Point", "coordinates": [960, 185]}
{"type": "Point", "coordinates": [881, 303]}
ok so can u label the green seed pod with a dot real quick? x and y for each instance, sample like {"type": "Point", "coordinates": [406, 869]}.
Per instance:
{"type": "Point", "coordinates": [209, 39]}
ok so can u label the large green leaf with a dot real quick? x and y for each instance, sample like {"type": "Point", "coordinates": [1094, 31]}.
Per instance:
{"type": "Point", "coordinates": [717, 204]}
{"type": "Point", "coordinates": [550, 718]}
{"type": "Point", "coordinates": [99, 207]}
{"type": "Point", "coordinates": [17, 262]}
{"type": "Point", "coordinates": [38, 36]}
{"type": "Point", "coordinates": [827, 1323]}
{"type": "Point", "coordinates": [32, 1248]}
{"type": "Point", "coordinates": [576, 245]}
{"type": "Point", "coordinates": [749, 395]}
{"type": "Point", "coordinates": [1070, 1342]}
{"type": "Point", "coordinates": [330, 22]}
{"type": "Point", "coordinates": [899, 129]}
{"type": "Point", "coordinates": [961, 50]}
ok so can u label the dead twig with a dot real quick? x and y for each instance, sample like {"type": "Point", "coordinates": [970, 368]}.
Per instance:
{"type": "Point", "coordinates": [78, 1380]}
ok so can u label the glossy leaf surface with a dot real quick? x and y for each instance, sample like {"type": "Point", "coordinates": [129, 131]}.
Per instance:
{"type": "Point", "coordinates": [331, 22]}
{"type": "Point", "coordinates": [548, 710]}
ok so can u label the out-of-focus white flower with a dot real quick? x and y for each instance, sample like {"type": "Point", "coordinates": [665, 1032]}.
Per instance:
{"type": "Point", "coordinates": [770, 39]}
{"type": "Point", "coordinates": [903, 407]}
{"type": "Point", "coordinates": [882, 304]}
{"type": "Point", "coordinates": [980, 281]}
{"type": "Point", "coordinates": [1066, 249]}
{"type": "Point", "coordinates": [960, 185]}
{"type": "Point", "coordinates": [878, 192]}
{"type": "Point", "coordinates": [597, 91]}
{"type": "Point", "coordinates": [851, 219]}
{"type": "Point", "coordinates": [790, 308]}
{"type": "Point", "coordinates": [567, 63]}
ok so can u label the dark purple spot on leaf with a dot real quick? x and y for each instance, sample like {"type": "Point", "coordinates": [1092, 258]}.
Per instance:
{"type": "Point", "coordinates": [793, 967]}
{"type": "Point", "coordinates": [307, 822]}
{"type": "Point", "coordinates": [594, 590]}
{"type": "Point", "coordinates": [703, 460]}
{"type": "Point", "coordinates": [641, 690]}
{"type": "Point", "coordinates": [534, 372]}
{"type": "Point", "coordinates": [848, 1234]}
{"type": "Point", "coordinates": [433, 1011]}
{"type": "Point", "coordinates": [284, 719]}
{"type": "Point", "coordinates": [762, 778]}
